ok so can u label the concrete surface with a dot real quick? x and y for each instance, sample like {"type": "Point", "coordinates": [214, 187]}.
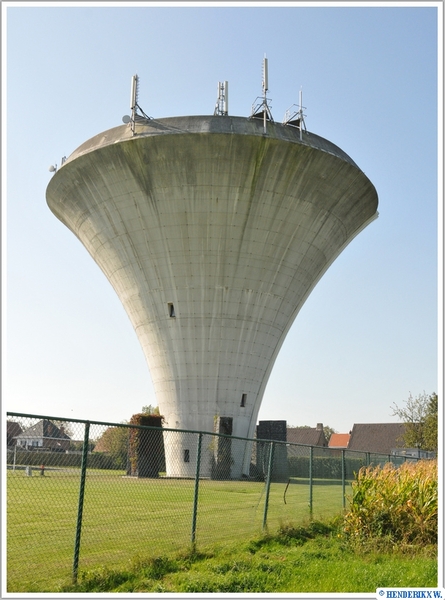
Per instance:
{"type": "Point", "coordinates": [229, 226]}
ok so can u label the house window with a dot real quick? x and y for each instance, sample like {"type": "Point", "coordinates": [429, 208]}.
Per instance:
{"type": "Point", "coordinates": [243, 400]}
{"type": "Point", "coordinates": [186, 455]}
{"type": "Point", "coordinates": [171, 309]}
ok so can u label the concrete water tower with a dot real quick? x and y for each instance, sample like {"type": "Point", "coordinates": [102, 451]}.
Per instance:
{"type": "Point", "coordinates": [213, 231]}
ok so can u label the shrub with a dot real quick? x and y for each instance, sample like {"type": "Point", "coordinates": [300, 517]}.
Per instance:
{"type": "Point", "coordinates": [398, 505]}
{"type": "Point", "coordinates": [146, 446]}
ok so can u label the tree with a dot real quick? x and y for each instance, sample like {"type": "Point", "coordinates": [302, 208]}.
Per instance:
{"type": "Point", "coordinates": [328, 431]}
{"type": "Point", "coordinates": [420, 418]}
{"type": "Point", "coordinates": [431, 434]}
{"type": "Point", "coordinates": [114, 441]}
{"type": "Point", "coordinates": [150, 410]}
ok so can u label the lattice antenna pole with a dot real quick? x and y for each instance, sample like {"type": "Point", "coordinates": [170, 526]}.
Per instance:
{"type": "Point", "coordinates": [265, 89]}
{"type": "Point", "coordinates": [134, 100]}
{"type": "Point", "coordinates": [295, 118]}
{"type": "Point", "coordinates": [222, 104]}
{"type": "Point", "coordinates": [301, 115]}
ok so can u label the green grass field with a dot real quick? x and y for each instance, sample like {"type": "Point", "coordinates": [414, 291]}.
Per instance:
{"type": "Point", "coordinates": [310, 559]}
{"type": "Point", "coordinates": [125, 518]}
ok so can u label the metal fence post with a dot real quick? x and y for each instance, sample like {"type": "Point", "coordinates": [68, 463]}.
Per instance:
{"type": "Point", "coordinates": [311, 463]}
{"type": "Point", "coordinates": [195, 497]}
{"type": "Point", "coordinates": [343, 477]}
{"type": "Point", "coordinates": [269, 477]}
{"type": "Point", "coordinates": [83, 470]}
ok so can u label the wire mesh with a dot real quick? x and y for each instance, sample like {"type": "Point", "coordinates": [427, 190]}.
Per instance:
{"type": "Point", "coordinates": [42, 501]}
{"type": "Point", "coordinates": [83, 495]}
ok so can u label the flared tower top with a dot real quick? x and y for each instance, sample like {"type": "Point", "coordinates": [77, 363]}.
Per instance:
{"type": "Point", "coordinates": [207, 125]}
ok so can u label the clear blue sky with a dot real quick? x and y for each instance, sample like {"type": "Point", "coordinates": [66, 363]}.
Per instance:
{"type": "Point", "coordinates": [368, 334]}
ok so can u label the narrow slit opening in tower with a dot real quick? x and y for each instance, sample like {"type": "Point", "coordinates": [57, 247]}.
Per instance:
{"type": "Point", "coordinates": [171, 309]}
{"type": "Point", "coordinates": [243, 400]}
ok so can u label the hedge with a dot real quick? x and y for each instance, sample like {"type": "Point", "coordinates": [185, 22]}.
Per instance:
{"type": "Point", "coordinates": [96, 460]}
{"type": "Point", "coordinates": [324, 467]}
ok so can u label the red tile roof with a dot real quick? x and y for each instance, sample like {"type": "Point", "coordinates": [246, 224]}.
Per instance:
{"type": "Point", "coordinates": [339, 440]}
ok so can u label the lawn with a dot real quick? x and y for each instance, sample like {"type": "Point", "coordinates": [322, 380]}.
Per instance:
{"type": "Point", "coordinates": [126, 517]}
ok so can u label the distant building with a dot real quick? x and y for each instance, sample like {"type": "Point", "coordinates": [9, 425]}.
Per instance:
{"type": "Point", "coordinates": [44, 435]}
{"type": "Point", "coordinates": [413, 453]}
{"type": "Point", "coordinates": [378, 438]}
{"type": "Point", "coordinates": [13, 429]}
{"type": "Point", "coordinates": [311, 436]}
{"type": "Point", "coordinates": [339, 441]}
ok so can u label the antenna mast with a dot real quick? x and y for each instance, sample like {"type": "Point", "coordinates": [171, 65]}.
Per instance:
{"type": "Point", "coordinates": [134, 96]}
{"type": "Point", "coordinates": [295, 118]}
{"type": "Point", "coordinates": [222, 104]}
{"type": "Point", "coordinates": [134, 106]}
{"type": "Point", "coordinates": [262, 109]}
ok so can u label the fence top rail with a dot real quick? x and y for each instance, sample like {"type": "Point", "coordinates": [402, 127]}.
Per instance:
{"type": "Point", "coordinates": [194, 431]}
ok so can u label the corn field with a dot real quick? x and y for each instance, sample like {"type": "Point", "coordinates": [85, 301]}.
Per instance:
{"type": "Point", "coordinates": [398, 505]}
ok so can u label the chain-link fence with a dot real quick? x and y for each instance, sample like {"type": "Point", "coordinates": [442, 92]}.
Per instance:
{"type": "Point", "coordinates": [82, 495]}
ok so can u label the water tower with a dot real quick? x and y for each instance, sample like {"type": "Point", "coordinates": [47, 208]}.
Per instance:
{"type": "Point", "coordinates": [213, 231]}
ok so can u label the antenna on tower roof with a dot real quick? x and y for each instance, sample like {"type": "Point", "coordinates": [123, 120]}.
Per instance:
{"type": "Point", "coordinates": [134, 92]}
{"type": "Point", "coordinates": [295, 118]}
{"type": "Point", "coordinates": [134, 106]}
{"type": "Point", "coordinates": [265, 76]}
{"type": "Point", "coordinates": [261, 107]}
{"type": "Point", "coordinates": [222, 104]}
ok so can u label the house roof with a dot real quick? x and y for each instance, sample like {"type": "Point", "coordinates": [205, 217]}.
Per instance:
{"type": "Point", "coordinates": [339, 440]}
{"type": "Point", "coordinates": [44, 429]}
{"type": "Point", "coordinates": [13, 429]}
{"type": "Point", "coordinates": [313, 436]}
{"type": "Point", "coordinates": [379, 438]}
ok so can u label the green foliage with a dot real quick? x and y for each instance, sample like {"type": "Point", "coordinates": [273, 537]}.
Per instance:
{"type": "Point", "coordinates": [146, 447]}
{"type": "Point", "coordinates": [114, 443]}
{"type": "Point", "coordinates": [431, 432]}
{"type": "Point", "coordinates": [420, 418]}
{"type": "Point", "coordinates": [295, 559]}
{"type": "Point", "coordinates": [150, 410]}
{"type": "Point", "coordinates": [398, 507]}
{"type": "Point", "coordinates": [328, 431]}
{"type": "Point", "coordinates": [324, 467]}
{"type": "Point", "coordinates": [96, 460]}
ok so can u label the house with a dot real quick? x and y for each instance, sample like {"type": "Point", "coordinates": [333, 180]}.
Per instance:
{"type": "Point", "coordinates": [310, 436]}
{"type": "Point", "coordinates": [377, 438]}
{"type": "Point", "coordinates": [13, 429]}
{"type": "Point", "coordinates": [44, 435]}
{"type": "Point", "coordinates": [339, 441]}
{"type": "Point", "coordinates": [413, 453]}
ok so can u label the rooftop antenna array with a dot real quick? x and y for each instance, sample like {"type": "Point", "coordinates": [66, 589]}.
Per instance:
{"type": "Point", "coordinates": [222, 104]}
{"type": "Point", "coordinates": [296, 117]}
{"type": "Point", "coordinates": [262, 109]}
{"type": "Point", "coordinates": [134, 106]}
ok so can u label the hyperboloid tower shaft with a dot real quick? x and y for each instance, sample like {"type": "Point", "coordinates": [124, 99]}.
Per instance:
{"type": "Point", "coordinates": [213, 234]}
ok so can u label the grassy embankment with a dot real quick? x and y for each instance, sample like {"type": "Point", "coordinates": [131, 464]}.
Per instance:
{"type": "Point", "coordinates": [303, 559]}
